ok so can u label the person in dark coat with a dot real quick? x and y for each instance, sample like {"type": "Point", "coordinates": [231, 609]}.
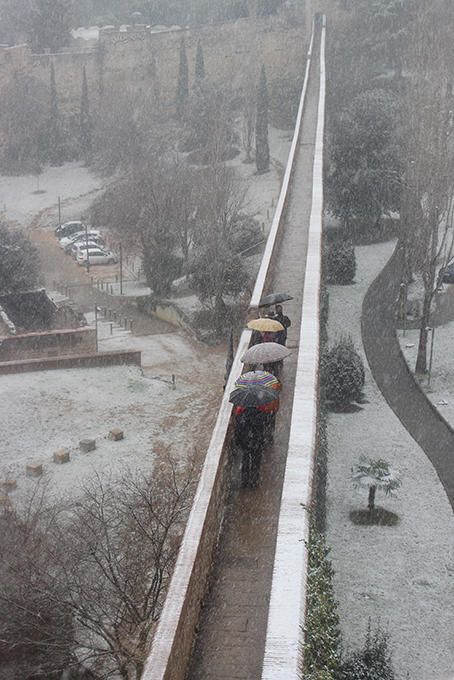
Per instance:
{"type": "Point", "coordinates": [250, 437]}
{"type": "Point", "coordinates": [285, 321]}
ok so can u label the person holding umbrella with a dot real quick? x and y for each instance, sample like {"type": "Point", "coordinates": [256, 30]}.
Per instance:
{"type": "Point", "coordinates": [285, 321]}
{"type": "Point", "coordinates": [276, 299]}
{"type": "Point", "coordinates": [250, 428]}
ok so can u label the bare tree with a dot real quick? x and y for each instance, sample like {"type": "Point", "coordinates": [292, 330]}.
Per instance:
{"type": "Point", "coordinates": [89, 584]}
{"type": "Point", "coordinates": [217, 270]}
{"type": "Point", "coordinates": [429, 148]}
{"type": "Point", "coordinates": [153, 213]}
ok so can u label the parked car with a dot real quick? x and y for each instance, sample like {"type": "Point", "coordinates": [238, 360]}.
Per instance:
{"type": "Point", "coordinates": [79, 236]}
{"type": "Point", "coordinates": [96, 256]}
{"type": "Point", "coordinates": [80, 246]}
{"type": "Point", "coordinates": [93, 241]}
{"type": "Point", "coordinates": [447, 275]}
{"type": "Point", "coordinates": [69, 228]}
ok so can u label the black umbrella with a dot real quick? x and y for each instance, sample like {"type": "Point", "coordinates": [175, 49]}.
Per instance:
{"type": "Point", "coordinates": [252, 396]}
{"type": "Point", "coordinates": [274, 299]}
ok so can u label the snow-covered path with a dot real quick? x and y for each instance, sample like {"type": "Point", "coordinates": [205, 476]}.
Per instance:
{"type": "Point", "coordinates": [402, 575]}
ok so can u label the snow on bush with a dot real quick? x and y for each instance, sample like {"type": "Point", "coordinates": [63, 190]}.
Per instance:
{"type": "Point", "coordinates": [373, 662]}
{"type": "Point", "coordinates": [342, 373]}
{"type": "Point", "coordinates": [322, 633]}
{"type": "Point", "coordinates": [341, 262]}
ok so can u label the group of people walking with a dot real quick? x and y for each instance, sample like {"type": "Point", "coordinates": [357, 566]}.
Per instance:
{"type": "Point", "coordinates": [256, 397]}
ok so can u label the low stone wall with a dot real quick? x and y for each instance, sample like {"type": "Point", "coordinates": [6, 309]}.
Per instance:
{"type": "Point", "coordinates": [119, 358]}
{"type": "Point", "coordinates": [45, 344]}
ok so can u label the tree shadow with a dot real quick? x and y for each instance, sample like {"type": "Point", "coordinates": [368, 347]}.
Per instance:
{"type": "Point", "coordinates": [349, 408]}
{"type": "Point", "coordinates": [376, 517]}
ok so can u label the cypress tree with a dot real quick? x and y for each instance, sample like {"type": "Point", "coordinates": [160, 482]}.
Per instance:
{"type": "Point", "coordinates": [262, 149]}
{"type": "Point", "coordinates": [85, 119]}
{"type": "Point", "coordinates": [199, 64]}
{"type": "Point", "coordinates": [54, 143]}
{"type": "Point", "coordinates": [183, 81]}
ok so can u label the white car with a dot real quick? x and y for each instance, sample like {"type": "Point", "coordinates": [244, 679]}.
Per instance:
{"type": "Point", "coordinates": [78, 236]}
{"type": "Point", "coordinates": [96, 256]}
{"type": "Point", "coordinates": [80, 246]}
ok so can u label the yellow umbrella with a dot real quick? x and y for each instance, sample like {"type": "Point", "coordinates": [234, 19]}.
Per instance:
{"type": "Point", "coordinates": [265, 325]}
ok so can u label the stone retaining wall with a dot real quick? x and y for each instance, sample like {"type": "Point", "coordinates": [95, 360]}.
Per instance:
{"type": "Point", "coordinates": [133, 358]}
{"type": "Point", "coordinates": [46, 344]}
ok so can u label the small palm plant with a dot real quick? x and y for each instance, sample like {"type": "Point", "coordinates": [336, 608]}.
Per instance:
{"type": "Point", "coordinates": [373, 475]}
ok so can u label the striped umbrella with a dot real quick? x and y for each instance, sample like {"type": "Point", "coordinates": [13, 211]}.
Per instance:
{"type": "Point", "coordinates": [253, 378]}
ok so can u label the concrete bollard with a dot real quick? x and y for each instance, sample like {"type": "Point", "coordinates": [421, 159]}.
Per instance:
{"type": "Point", "coordinates": [34, 470]}
{"type": "Point", "coordinates": [116, 434]}
{"type": "Point", "coordinates": [5, 502]}
{"type": "Point", "coordinates": [111, 290]}
{"type": "Point", "coordinates": [131, 324]}
{"type": "Point", "coordinates": [61, 456]}
{"type": "Point", "coordinates": [87, 445]}
{"type": "Point", "coordinates": [111, 328]}
{"type": "Point", "coordinates": [8, 485]}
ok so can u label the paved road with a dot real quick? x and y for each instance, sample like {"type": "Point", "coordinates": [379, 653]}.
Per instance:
{"type": "Point", "coordinates": [395, 380]}
{"type": "Point", "coordinates": [232, 629]}
{"type": "Point", "coordinates": [62, 269]}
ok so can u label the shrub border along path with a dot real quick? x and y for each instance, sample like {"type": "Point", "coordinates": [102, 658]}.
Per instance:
{"type": "Point", "coordinates": [394, 378]}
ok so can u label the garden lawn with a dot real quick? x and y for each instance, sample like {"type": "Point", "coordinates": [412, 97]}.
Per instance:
{"type": "Point", "coordinates": [402, 576]}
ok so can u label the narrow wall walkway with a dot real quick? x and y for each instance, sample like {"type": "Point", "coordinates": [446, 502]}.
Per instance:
{"type": "Point", "coordinates": [233, 625]}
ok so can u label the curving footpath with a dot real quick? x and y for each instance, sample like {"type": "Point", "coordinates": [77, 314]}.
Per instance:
{"type": "Point", "coordinates": [395, 380]}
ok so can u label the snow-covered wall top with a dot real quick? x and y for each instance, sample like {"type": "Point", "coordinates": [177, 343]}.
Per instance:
{"type": "Point", "coordinates": [287, 610]}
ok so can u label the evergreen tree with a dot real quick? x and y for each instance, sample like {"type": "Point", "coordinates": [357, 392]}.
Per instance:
{"type": "Point", "coordinates": [262, 149]}
{"type": "Point", "coordinates": [54, 141]}
{"type": "Point", "coordinates": [183, 81]}
{"type": "Point", "coordinates": [49, 25]}
{"type": "Point", "coordinates": [19, 261]}
{"type": "Point", "coordinates": [85, 122]}
{"type": "Point", "coordinates": [373, 662]}
{"type": "Point", "coordinates": [199, 63]}
{"type": "Point", "coordinates": [322, 640]}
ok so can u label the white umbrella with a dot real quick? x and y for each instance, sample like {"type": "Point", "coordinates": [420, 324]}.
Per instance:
{"type": "Point", "coordinates": [265, 353]}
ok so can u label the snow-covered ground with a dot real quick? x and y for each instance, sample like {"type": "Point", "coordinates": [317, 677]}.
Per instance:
{"type": "Point", "coordinates": [263, 190]}
{"type": "Point", "coordinates": [20, 202]}
{"type": "Point", "coordinates": [43, 412]}
{"type": "Point", "coordinates": [441, 388]}
{"type": "Point", "coordinates": [402, 576]}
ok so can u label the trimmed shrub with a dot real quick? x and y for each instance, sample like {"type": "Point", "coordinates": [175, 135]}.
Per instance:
{"type": "Point", "coordinates": [342, 373]}
{"type": "Point", "coordinates": [321, 469]}
{"type": "Point", "coordinates": [373, 662]}
{"type": "Point", "coordinates": [322, 634]}
{"type": "Point", "coordinates": [341, 262]}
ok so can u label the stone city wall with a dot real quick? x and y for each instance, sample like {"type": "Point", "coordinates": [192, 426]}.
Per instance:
{"type": "Point", "coordinates": [145, 60]}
